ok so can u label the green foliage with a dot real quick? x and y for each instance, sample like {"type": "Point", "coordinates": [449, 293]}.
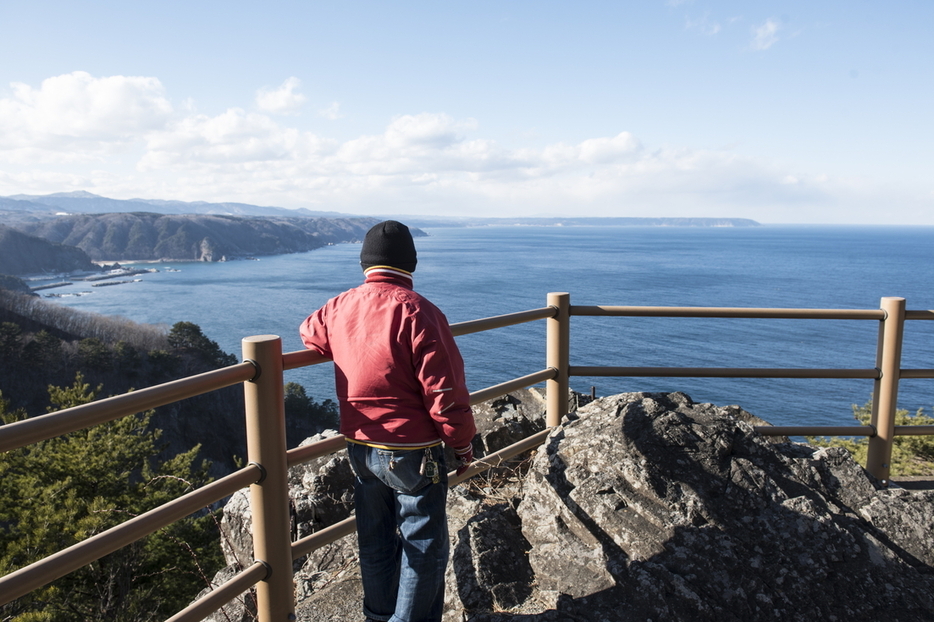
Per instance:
{"type": "Point", "coordinates": [187, 337]}
{"type": "Point", "coordinates": [126, 356]}
{"type": "Point", "coordinates": [163, 363]}
{"type": "Point", "coordinates": [299, 405]}
{"type": "Point", "coordinates": [911, 455]}
{"type": "Point", "coordinates": [45, 349]}
{"type": "Point", "coordinates": [63, 490]}
{"type": "Point", "coordinates": [11, 339]}
{"type": "Point", "coordinates": [94, 353]}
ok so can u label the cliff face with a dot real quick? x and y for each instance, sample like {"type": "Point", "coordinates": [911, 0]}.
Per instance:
{"type": "Point", "coordinates": [25, 254]}
{"type": "Point", "coordinates": [647, 506]}
{"type": "Point", "coordinates": [146, 236]}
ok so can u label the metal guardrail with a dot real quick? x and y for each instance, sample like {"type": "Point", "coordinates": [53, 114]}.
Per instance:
{"type": "Point", "coordinates": [261, 374]}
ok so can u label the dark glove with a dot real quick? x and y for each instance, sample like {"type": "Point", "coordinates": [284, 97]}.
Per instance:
{"type": "Point", "coordinates": [464, 457]}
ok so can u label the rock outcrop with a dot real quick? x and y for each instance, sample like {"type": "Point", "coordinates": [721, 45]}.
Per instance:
{"type": "Point", "coordinates": [648, 506]}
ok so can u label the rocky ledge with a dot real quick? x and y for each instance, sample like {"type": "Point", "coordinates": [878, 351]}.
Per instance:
{"type": "Point", "coordinates": [646, 506]}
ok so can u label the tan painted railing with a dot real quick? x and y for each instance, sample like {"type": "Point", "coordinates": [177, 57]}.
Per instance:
{"type": "Point", "coordinates": [262, 376]}
{"type": "Point", "coordinates": [886, 374]}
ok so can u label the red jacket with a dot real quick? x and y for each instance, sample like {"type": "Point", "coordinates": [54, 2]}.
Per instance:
{"type": "Point", "coordinates": [398, 373]}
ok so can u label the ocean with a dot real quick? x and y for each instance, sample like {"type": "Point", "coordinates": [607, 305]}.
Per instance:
{"type": "Point", "coordinates": [484, 271]}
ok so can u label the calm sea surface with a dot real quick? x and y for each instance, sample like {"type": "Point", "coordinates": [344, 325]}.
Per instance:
{"type": "Point", "coordinates": [478, 272]}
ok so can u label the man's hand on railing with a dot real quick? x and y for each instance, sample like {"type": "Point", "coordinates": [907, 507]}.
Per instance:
{"type": "Point", "coordinates": [464, 457]}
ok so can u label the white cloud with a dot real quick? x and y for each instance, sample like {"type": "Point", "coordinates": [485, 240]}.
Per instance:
{"type": "Point", "coordinates": [79, 113]}
{"type": "Point", "coordinates": [283, 100]}
{"type": "Point", "coordinates": [766, 35]}
{"type": "Point", "coordinates": [426, 131]}
{"type": "Point", "coordinates": [606, 150]}
{"type": "Point", "coordinates": [233, 136]}
{"type": "Point", "coordinates": [332, 112]}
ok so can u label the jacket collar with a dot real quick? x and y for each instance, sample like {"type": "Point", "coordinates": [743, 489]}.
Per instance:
{"type": "Point", "coordinates": [386, 274]}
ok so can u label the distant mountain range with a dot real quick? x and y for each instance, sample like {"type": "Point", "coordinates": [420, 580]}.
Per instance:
{"type": "Point", "coordinates": [23, 207]}
{"type": "Point", "coordinates": [86, 203]}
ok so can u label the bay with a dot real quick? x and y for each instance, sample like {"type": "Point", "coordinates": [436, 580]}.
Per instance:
{"type": "Point", "coordinates": [484, 271]}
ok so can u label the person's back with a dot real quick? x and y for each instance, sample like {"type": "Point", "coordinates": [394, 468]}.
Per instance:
{"type": "Point", "coordinates": [400, 384]}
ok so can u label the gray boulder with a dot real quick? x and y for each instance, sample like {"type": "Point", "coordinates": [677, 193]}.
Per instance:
{"type": "Point", "coordinates": [652, 507]}
{"type": "Point", "coordinates": [508, 419]}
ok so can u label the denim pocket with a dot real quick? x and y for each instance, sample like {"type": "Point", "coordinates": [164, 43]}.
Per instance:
{"type": "Point", "coordinates": [401, 469]}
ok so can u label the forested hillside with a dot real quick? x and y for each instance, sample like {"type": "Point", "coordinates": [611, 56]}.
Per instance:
{"type": "Point", "coordinates": [26, 254]}
{"type": "Point", "coordinates": [43, 344]}
{"type": "Point", "coordinates": [149, 236]}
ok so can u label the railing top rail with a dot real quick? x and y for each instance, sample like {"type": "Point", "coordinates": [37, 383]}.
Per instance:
{"type": "Point", "coordinates": [304, 453]}
{"type": "Point", "coordinates": [497, 390]}
{"type": "Point", "coordinates": [501, 321]}
{"type": "Point", "coordinates": [729, 312]}
{"type": "Point", "coordinates": [35, 429]}
{"type": "Point", "coordinates": [302, 358]}
{"type": "Point", "coordinates": [919, 314]}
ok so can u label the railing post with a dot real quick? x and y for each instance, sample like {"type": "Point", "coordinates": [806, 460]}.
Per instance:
{"type": "Point", "coordinates": [885, 391]}
{"type": "Point", "coordinates": [558, 346]}
{"type": "Point", "coordinates": [269, 498]}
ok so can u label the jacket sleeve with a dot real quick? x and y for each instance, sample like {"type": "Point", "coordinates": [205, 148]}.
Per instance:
{"type": "Point", "coordinates": [439, 368]}
{"type": "Point", "coordinates": [314, 332]}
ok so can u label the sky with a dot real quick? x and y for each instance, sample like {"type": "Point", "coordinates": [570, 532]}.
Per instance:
{"type": "Point", "coordinates": [783, 112]}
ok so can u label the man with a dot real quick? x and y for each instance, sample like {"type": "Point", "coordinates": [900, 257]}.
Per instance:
{"type": "Point", "coordinates": [400, 383]}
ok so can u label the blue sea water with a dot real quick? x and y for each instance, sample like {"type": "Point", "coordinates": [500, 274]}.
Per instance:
{"type": "Point", "coordinates": [479, 272]}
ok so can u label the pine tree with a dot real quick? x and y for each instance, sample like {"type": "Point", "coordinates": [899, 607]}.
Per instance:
{"type": "Point", "coordinates": [63, 490]}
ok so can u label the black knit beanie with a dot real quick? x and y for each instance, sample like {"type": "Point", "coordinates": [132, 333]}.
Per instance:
{"type": "Point", "coordinates": [389, 243]}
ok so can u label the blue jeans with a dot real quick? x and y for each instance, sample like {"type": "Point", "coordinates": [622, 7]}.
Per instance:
{"type": "Point", "coordinates": [403, 532]}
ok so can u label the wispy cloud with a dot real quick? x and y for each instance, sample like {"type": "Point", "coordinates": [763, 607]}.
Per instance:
{"type": "Point", "coordinates": [766, 35]}
{"type": "Point", "coordinates": [283, 100]}
{"type": "Point", "coordinates": [332, 112]}
{"type": "Point", "coordinates": [703, 25]}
